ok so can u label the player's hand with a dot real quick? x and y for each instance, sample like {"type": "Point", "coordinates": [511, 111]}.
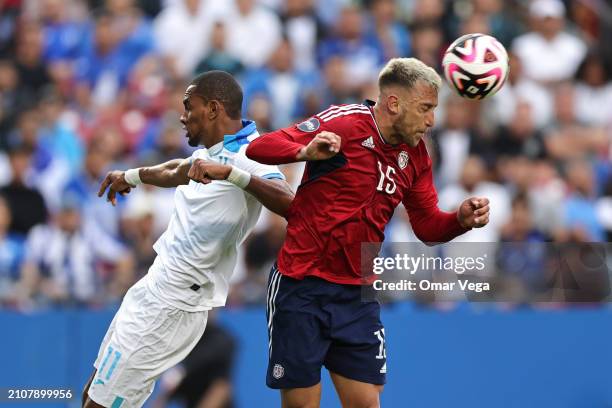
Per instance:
{"type": "Point", "coordinates": [323, 146]}
{"type": "Point", "coordinates": [115, 182]}
{"type": "Point", "coordinates": [205, 171]}
{"type": "Point", "coordinates": [474, 212]}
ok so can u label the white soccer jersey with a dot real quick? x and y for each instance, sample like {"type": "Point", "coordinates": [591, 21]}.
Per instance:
{"type": "Point", "coordinates": [209, 222]}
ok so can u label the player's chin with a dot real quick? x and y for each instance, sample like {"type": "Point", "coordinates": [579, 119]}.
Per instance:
{"type": "Point", "coordinates": [192, 141]}
{"type": "Point", "coordinates": [414, 139]}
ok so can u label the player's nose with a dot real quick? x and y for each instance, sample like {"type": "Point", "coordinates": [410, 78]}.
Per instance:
{"type": "Point", "coordinates": [429, 119]}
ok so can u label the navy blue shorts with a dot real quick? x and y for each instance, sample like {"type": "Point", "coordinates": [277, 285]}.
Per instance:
{"type": "Point", "coordinates": [314, 323]}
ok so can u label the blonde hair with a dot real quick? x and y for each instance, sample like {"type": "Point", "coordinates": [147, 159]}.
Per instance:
{"type": "Point", "coordinates": [406, 72]}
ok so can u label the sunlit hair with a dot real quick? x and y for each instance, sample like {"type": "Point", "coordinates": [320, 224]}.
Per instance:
{"type": "Point", "coordinates": [407, 72]}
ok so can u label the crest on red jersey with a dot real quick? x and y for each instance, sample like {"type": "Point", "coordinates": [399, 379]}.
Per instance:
{"type": "Point", "coordinates": [402, 160]}
{"type": "Point", "coordinates": [309, 125]}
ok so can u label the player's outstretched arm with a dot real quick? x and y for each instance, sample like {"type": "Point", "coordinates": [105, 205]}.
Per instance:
{"type": "Point", "coordinates": [169, 174]}
{"type": "Point", "coordinates": [280, 147]}
{"type": "Point", "coordinates": [276, 195]}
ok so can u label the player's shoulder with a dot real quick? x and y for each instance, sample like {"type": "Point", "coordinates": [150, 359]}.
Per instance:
{"type": "Point", "coordinates": [343, 113]}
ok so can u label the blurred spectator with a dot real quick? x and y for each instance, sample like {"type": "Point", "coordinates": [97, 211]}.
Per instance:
{"type": "Point", "coordinates": [5, 169]}
{"type": "Point", "coordinates": [9, 10]}
{"type": "Point", "coordinates": [503, 22]}
{"type": "Point", "coordinates": [603, 209]}
{"type": "Point", "coordinates": [61, 265]}
{"type": "Point", "coordinates": [392, 36]}
{"type": "Point", "coordinates": [11, 255]}
{"type": "Point", "coordinates": [428, 11]}
{"type": "Point", "coordinates": [138, 231]}
{"type": "Point", "coordinates": [427, 43]}
{"type": "Point", "coordinates": [455, 140]}
{"type": "Point", "coordinates": [522, 254]}
{"type": "Point", "coordinates": [282, 83]}
{"type": "Point", "coordinates": [580, 214]}
{"type": "Point", "coordinates": [26, 204]}
{"type": "Point", "coordinates": [594, 91]}
{"type": "Point", "coordinates": [548, 53]}
{"type": "Point", "coordinates": [304, 29]}
{"type": "Point", "coordinates": [260, 110]}
{"type": "Point", "coordinates": [546, 191]}
{"type": "Point", "coordinates": [260, 252]}
{"type": "Point", "coordinates": [190, 22]}
{"type": "Point", "coordinates": [112, 50]}
{"type": "Point", "coordinates": [203, 379]}
{"type": "Point", "coordinates": [519, 88]}
{"type": "Point", "coordinates": [147, 88]}
{"type": "Point", "coordinates": [32, 70]}
{"type": "Point", "coordinates": [218, 58]}
{"type": "Point", "coordinates": [337, 88]}
{"type": "Point", "coordinates": [46, 171]}
{"type": "Point", "coordinates": [520, 137]}
{"type": "Point", "coordinates": [168, 144]}
{"type": "Point", "coordinates": [12, 98]}
{"type": "Point", "coordinates": [254, 32]}
{"type": "Point", "coordinates": [473, 183]}
{"type": "Point", "coordinates": [568, 138]}
{"type": "Point", "coordinates": [350, 42]}
{"type": "Point", "coordinates": [101, 220]}
{"type": "Point", "coordinates": [156, 201]}
{"type": "Point", "coordinates": [63, 33]}
{"type": "Point", "coordinates": [475, 23]}
{"type": "Point", "coordinates": [520, 226]}
{"type": "Point", "coordinates": [55, 136]}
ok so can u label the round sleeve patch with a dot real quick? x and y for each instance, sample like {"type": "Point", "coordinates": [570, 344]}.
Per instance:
{"type": "Point", "coordinates": [309, 125]}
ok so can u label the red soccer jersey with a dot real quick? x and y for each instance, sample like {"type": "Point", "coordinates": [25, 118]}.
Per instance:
{"type": "Point", "coordinates": [350, 198]}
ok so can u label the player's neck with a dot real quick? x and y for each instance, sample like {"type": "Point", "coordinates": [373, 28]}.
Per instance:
{"type": "Point", "coordinates": [226, 126]}
{"type": "Point", "coordinates": [385, 127]}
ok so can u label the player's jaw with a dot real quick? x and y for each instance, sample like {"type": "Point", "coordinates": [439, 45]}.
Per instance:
{"type": "Point", "coordinates": [192, 134]}
{"type": "Point", "coordinates": [409, 133]}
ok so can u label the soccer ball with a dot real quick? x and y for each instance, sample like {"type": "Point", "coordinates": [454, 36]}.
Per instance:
{"type": "Point", "coordinates": [475, 65]}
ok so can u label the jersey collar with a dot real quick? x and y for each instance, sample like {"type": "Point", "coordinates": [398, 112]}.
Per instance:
{"type": "Point", "coordinates": [370, 105]}
{"type": "Point", "coordinates": [233, 142]}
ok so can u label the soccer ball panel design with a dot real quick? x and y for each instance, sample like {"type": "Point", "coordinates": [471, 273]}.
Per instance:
{"type": "Point", "coordinates": [475, 66]}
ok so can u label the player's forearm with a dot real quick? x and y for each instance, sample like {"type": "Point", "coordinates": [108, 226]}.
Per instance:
{"type": "Point", "coordinates": [434, 226]}
{"type": "Point", "coordinates": [275, 195]}
{"type": "Point", "coordinates": [274, 148]}
{"type": "Point", "coordinates": [172, 173]}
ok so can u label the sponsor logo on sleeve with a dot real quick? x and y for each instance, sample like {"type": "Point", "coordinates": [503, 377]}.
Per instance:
{"type": "Point", "coordinates": [309, 125]}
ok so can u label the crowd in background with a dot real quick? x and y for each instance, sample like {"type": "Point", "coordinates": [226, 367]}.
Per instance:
{"type": "Point", "coordinates": [87, 86]}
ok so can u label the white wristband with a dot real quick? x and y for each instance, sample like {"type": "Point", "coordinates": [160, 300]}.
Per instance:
{"type": "Point", "coordinates": [132, 176]}
{"type": "Point", "coordinates": [239, 177]}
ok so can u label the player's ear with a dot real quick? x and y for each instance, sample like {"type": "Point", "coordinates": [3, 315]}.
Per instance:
{"type": "Point", "coordinates": [393, 104]}
{"type": "Point", "coordinates": [214, 109]}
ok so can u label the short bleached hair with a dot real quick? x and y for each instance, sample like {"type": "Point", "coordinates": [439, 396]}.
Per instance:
{"type": "Point", "coordinates": [406, 72]}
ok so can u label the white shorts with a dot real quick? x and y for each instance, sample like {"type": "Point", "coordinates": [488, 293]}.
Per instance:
{"type": "Point", "coordinates": [146, 337]}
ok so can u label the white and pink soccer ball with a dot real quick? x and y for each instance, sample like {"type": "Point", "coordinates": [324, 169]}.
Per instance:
{"type": "Point", "coordinates": [475, 66]}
